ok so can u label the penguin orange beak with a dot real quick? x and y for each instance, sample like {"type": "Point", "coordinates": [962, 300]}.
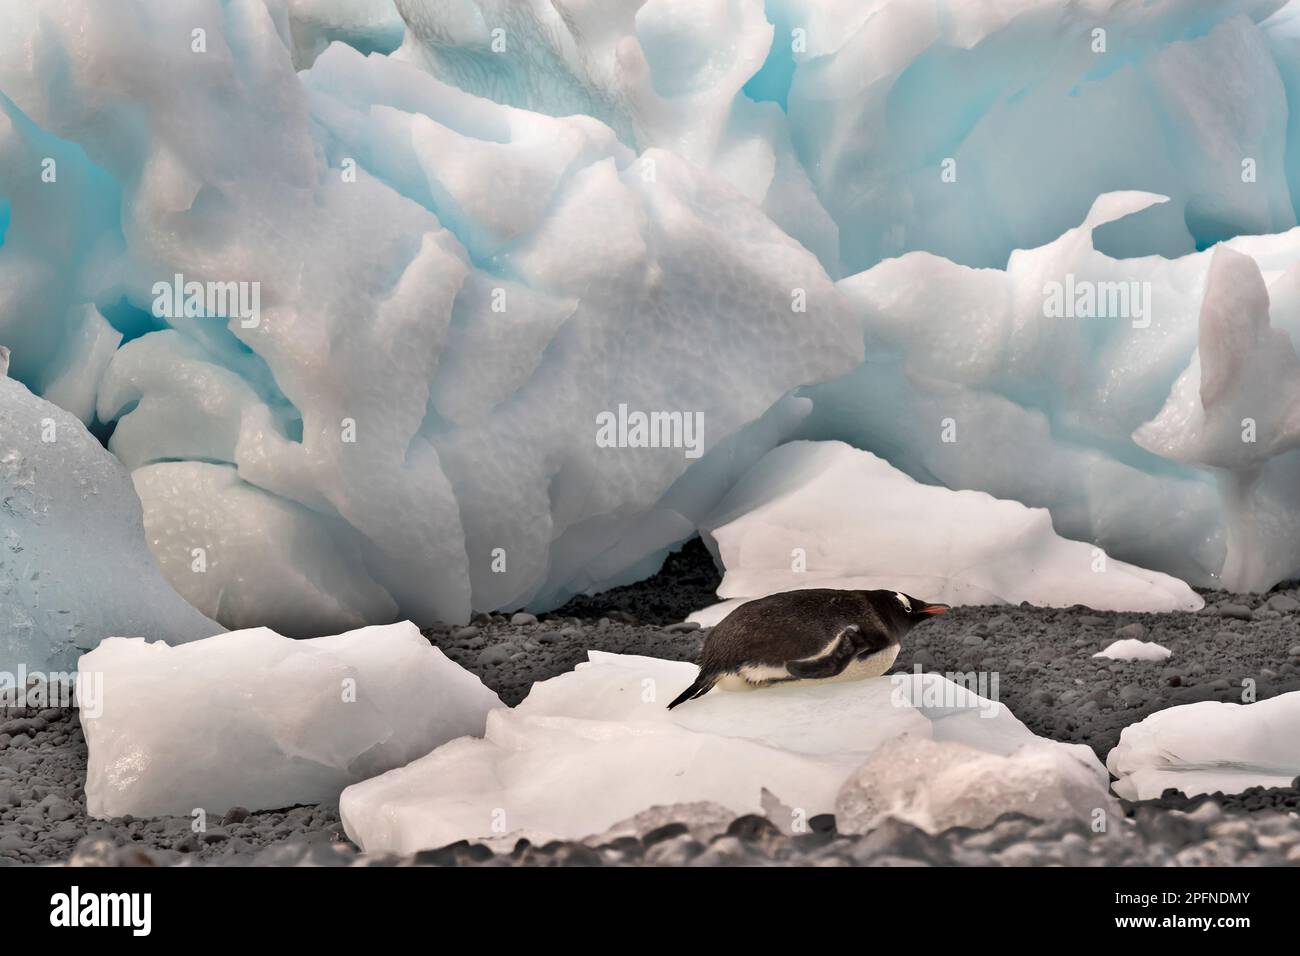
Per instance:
{"type": "Point", "coordinates": [936, 609]}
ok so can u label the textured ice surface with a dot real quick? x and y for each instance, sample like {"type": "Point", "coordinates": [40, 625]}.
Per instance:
{"type": "Point", "coordinates": [257, 720]}
{"type": "Point", "coordinates": [823, 514]}
{"type": "Point", "coordinates": [976, 380]}
{"type": "Point", "coordinates": [74, 567]}
{"type": "Point", "coordinates": [1236, 410]}
{"type": "Point", "coordinates": [451, 292]}
{"type": "Point", "coordinates": [1132, 649]}
{"type": "Point", "coordinates": [475, 225]}
{"type": "Point", "coordinates": [1208, 747]}
{"type": "Point", "coordinates": [937, 784]}
{"type": "Point", "coordinates": [595, 747]}
{"type": "Point", "coordinates": [812, 107]}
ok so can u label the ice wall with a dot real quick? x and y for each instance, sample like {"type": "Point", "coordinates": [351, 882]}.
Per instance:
{"type": "Point", "coordinates": [965, 129]}
{"type": "Point", "coordinates": [451, 293]}
{"type": "Point", "coordinates": [1030, 383]}
{"type": "Point", "coordinates": [450, 259]}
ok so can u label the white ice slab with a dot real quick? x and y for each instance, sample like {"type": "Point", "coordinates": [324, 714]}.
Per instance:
{"type": "Point", "coordinates": [257, 720]}
{"type": "Point", "coordinates": [594, 747]}
{"type": "Point", "coordinates": [1209, 746]}
{"type": "Point", "coordinates": [825, 515]}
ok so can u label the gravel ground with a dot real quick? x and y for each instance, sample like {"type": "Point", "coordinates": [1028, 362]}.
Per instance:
{"type": "Point", "coordinates": [1046, 675]}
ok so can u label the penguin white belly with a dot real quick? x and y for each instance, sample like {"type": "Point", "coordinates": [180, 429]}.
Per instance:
{"type": "Point", "coordinates": [753, 677]}
{"type": "Point", "coordinates": [756, 676]}
{"type": "Point", "coordinates": [860, 668]}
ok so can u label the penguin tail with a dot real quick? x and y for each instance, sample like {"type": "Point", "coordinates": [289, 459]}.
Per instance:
{"type": "Point", "coordinates": [701, 686]}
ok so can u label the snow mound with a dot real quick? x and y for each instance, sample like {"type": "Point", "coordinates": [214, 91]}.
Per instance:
{"type": "Point", "coordinates": [1209, 747]}
{"type": "Point", "coordinates": [261, 721]}
{"type": "Point", "coordinates": [822, 514]}
{"type": "Point", "coordinates": [74, 566]}
{"type": "Point", "coordinates": [594, 748]}
{"type": "Point", "coordinates": [1132, 649]}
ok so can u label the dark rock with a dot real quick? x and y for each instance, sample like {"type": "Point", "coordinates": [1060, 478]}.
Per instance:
{"type": "Point", "coordinates": [665, 832]}
{"type": "Point", "coordinates": [752, 827]}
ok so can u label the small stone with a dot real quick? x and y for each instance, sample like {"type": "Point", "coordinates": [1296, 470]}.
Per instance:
{"type": "Point", "coordinates": [464, 633]}
{"type": "Point", "coordinates": [523, 618]}
{"type": "Point", "coordinates": [682, 627]}
{"type": "Point", "coordinates": [1238, 611]}
{"type": "Point", "coordinates": [93, 851]}
{"type": "Point", "coordinates": [752, 827]}
{"type": "Point", "coordinates": [189, 843]}
{"type": "Point", "coordinates": [1132, 693]}
{"type": "Point", "coordinates": [492, 656]}
{"type": "Point", "coordinates": [898, 839]}
{"type": "Point", "coordinates": [1207, 813]}
{"type": "Point", "coordinates": [724, 851]}
{"type": "Point", "coordinates": [60, 810]}
{"type": "Point", "coordinates": [1134, 631]}
{"type": "Point", "coordinates": [1294, 651]}
{"type": "Point", "coordinates": [972, 640]}
{"type": "Point", "coordinates": [1283, 603]}
{"type": "Point", "coordinates": [677, 851]}
{"type": "Point", "coordinates": [549, 637]}
{"type": "Point", "coordinates": [576, 854]}
{"type": "Point", "coordinates": [235, 815]}
{"type": "Point", "coordinates": [66, 832]}
{"type": "Point", "coordinates": [666, 832]}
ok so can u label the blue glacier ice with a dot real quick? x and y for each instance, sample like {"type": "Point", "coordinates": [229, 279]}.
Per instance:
{"type": "Point", "coordinates": [74, 566]}
{"type": "Point", "coordinates": [433, 242]}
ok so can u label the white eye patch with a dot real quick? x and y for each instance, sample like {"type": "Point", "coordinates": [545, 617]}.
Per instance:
{"type": "Point", "coordinates": [902, 599]}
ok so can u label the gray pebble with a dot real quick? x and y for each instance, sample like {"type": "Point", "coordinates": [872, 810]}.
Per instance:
{"type": "Point", "coordinates": [1238, 611]}
{"type": "Point", "coordinates": [493, 656]}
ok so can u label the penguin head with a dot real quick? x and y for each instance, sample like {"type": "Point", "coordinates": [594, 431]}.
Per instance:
{"type": "Point", "coordinates": [909, 610]}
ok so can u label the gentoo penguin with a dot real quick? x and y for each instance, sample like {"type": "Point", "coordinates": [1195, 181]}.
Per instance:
{"type": "Point", "coordinates": [815, 635]}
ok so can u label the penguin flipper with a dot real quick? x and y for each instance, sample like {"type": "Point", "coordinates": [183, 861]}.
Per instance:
{"type": "Point", "coordinates": [830, 660]}
{"type": "Point", "coordinates": [699, 687]}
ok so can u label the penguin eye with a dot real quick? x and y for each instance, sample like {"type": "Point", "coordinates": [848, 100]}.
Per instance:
{"type": "Point", "coordinates": [902, 599]}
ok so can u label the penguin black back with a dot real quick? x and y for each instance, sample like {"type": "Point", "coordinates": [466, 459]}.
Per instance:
{"type": "Point", "coordinates": [809, 634]}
